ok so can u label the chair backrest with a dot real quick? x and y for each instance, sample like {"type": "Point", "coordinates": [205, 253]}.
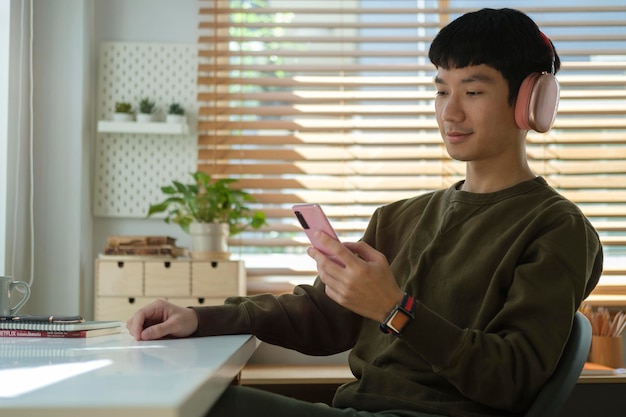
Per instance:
{"type": "Point", "coordinates": [556, 391]}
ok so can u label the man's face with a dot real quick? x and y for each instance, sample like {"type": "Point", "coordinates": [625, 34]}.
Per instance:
{"type": "Point", "coordinates": [475, 119]}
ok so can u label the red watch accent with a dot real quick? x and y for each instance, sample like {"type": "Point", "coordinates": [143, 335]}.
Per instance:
{"type": "Point", "coordinates": [400, 316]}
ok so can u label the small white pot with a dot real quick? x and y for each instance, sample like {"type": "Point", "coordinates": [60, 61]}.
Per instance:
{"type": "Point", "coordinates": [208, 239]}
{"type": "Point", "coordinates": [123, 117]}
{"type": "Point", "coordinates": [175, 118]}
{"type": "Point", "coordinates": [145, 117]}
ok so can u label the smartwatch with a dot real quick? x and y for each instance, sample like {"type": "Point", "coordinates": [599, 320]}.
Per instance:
{"type": "Point", "coordinates": [400, 316]}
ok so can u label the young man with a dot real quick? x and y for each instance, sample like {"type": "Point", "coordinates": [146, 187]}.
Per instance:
{"type": "Point", "coordinates": [474, 287]}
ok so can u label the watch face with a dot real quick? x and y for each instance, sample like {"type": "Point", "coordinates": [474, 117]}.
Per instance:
{"type": "Point", "coordinates": [400, 316]}
{"type": "Point", "coordinates": [398, 321]}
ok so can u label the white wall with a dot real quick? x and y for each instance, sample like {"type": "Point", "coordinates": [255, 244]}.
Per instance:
{"type": "Point", "coordinates": [67, 34]}
{"type": "Point", "coordinates": [5, 14]}
{"type": "Point", "coordinates": [17, 255]}
{"type": "Point", "coordinates": [164, 21]}
{"type": "Point", "coordinates": [61, 136]}
{"type": "Point", "coordinates": [168, 21]}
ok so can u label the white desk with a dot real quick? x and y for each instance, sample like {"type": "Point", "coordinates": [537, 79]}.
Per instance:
{"type": "Point", "coordinates": [163, 378]}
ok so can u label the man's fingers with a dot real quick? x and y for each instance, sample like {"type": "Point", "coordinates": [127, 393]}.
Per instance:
{"type": "Point", "coordinates": [143, 316]}
{"type": "Point", "coordinates": [153, 332]}
{"type": "Point", "coordinates": [135, 324]}
{"type": "Point", "coordinates": [361, 249]}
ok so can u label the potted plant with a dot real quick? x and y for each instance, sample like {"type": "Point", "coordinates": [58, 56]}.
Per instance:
{"type": "Point", "coordinates": [147, 108]}
{"type": "Point", "coordinates": [123, 112]}
{"type": "Point", "coordinates": [175, 113]}
{"type": "Point", "coordinates": [209, 210]}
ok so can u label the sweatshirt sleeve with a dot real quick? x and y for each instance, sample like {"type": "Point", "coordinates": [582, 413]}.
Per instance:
{"type": "Point", "coordinates": [305, 320]}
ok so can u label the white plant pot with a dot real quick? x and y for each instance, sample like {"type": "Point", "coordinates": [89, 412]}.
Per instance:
{"type": "Point", "coordinates": [123, 117]}
{"type": "Point", "coordinates": [175, 118]}
{"type": "Point", "coordinates": [209, 240]}
{"type": "Point", "coordinates": [145, 117]}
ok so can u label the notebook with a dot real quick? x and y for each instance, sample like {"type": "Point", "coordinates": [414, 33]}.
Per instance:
{"type": "Point", "coordinates": [50, 324]}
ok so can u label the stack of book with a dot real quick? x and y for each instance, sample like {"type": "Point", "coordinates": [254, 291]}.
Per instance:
{"type": "Point", "coordinates": [143, 246]}
{"type": "Point", "coordinates": [56, 327]}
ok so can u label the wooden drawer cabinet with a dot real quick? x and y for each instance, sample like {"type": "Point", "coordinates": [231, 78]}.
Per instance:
{"type": "Point", "coordinates": [167, 279]}
{"type": "Point", "coordinates": [119, 308]}
{"type": "Point", "coordinates": [215, 279]}
{"type": "Point", "coordinates": [123, 286]}
{"type": "Point", "coordinates": [197, 302]}
{"type": "Point", "coordinates": [122, 278]}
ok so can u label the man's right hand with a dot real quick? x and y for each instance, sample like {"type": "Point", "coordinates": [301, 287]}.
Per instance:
{"type": "Point", "coordinates": [160, 319]}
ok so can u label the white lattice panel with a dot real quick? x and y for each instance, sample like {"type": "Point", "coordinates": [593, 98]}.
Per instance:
{"type": "Point", "coordinates": [130, 168]}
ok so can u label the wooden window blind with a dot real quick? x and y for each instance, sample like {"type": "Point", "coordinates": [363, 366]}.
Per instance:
{"type": "Point", "coordinates": [332, 102]}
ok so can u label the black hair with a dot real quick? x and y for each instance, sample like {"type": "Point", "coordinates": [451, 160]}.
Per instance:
{"type": "Point", "coordinates": [504, 39]}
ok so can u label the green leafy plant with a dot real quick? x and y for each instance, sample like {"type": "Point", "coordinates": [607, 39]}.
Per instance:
{"type": "Point", "coordinates": [176, 108]}
{"type": "Point", "coordinates": [208, 201]}
{"type": "Point", "coordinates": [147, 106]}
{"type": "Point", "coordinates": [123, 107]}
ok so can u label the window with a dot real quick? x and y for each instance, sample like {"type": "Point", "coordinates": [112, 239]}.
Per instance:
{"type": "Point", "coordinates": [332, 102]}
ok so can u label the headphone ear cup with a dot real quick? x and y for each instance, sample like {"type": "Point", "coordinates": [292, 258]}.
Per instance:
{"type": "Point", "coordinates": [537, 102]}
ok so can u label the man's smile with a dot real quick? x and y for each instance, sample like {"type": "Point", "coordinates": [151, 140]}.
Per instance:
{"type": "Point", "coordinates": [456, 136]}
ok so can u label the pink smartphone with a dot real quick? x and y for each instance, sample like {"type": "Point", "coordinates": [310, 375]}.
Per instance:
{"type": "Point", "coordinates": [312, 218]}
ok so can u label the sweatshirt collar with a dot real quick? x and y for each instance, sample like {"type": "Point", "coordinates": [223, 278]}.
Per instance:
{"type": "Point", "coordinates": [454, 194]}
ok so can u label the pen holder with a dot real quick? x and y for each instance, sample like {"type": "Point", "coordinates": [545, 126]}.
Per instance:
{"type": "Point", "coordinates": [607, 351]}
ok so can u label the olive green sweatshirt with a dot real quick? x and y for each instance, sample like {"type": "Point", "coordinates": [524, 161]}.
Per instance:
{"type": "Point", "coordinates": [498, 278]}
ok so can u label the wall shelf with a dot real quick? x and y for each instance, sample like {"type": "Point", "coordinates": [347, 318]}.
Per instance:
{"type": "Point", "coordinates": [163, 128]}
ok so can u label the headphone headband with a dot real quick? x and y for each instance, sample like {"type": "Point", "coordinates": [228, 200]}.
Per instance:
{"type": "Point", "coordinates": [548, 42]}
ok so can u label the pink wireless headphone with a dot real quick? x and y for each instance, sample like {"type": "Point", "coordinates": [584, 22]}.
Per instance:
{"type": "Point", "coordinates": [538, 99]}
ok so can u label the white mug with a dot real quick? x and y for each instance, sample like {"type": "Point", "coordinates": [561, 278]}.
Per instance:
{"type": "Point", "coordinates": [7, 285]}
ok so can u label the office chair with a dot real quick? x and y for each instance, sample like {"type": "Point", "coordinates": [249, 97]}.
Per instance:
{"type": "Point", "coordinates": [553, 395]}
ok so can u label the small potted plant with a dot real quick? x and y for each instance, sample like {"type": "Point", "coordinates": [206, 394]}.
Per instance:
{"type": "Point", "coordinates": [147, 108]}
{"type": "Point", "coordinates": [210, 211]}
{"type": "Point", "coordinates": [175, 113]}
{"type": "Point", "coordinates": [123, 112]}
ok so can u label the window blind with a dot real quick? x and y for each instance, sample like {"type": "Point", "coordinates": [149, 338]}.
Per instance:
{"type": "Point", "coordinates": [331, 102]}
